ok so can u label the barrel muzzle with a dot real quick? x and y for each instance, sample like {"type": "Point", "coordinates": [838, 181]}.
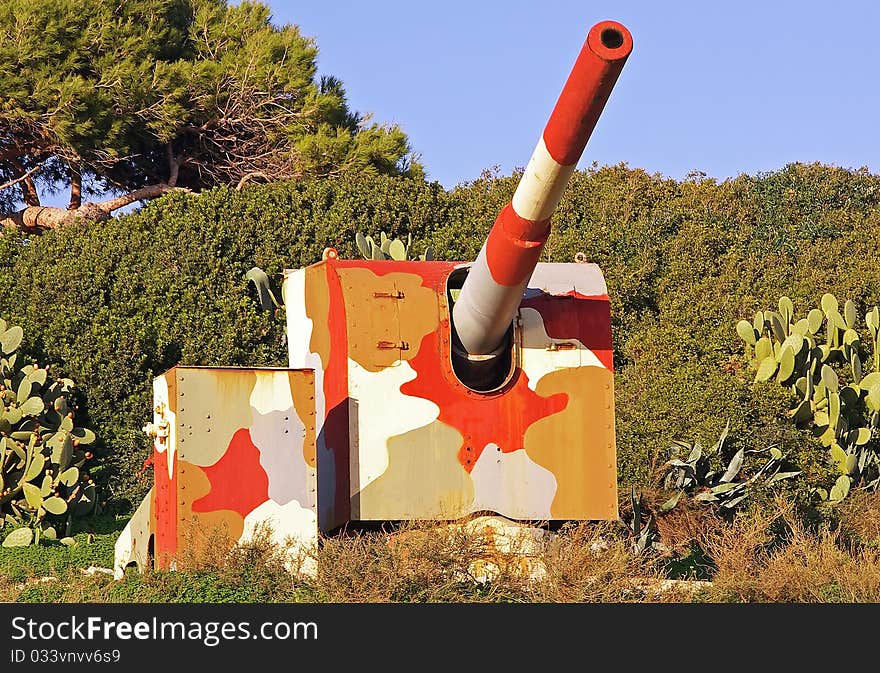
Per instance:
{"type": "Point", "coordinates": [491, 294]}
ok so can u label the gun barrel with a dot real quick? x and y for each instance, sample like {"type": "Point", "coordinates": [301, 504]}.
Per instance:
{"type": "Point", "coordinates": [493, 289]}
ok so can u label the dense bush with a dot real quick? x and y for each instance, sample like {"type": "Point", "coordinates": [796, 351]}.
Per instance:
{"type": "Point", "coordinates": [121, 301]}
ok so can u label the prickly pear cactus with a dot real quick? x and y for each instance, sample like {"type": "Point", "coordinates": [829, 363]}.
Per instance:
{"type": "Point", "coordinates": [834, 375]}
{"type": "Point", "coordinates": [388, 247]}
{"type": "Point", "coordinates": [44, 456]}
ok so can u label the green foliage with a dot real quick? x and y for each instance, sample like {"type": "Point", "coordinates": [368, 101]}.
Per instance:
{"type": "Point", "coordinates": [643, 533]}
{"type": "Point", "coordinates": [127, 94]}
{"type": "Point", "coordinates": [835, 381]}
{"type": "Point", "coordinates": [694, 263]}
{"type": "Point", "coordinates": [43, 456]}
{"type": "Point", "coordinates": [805, 204]}
{"type": "Point", "coordinates": [121, 301]}
{"type": "Point", "coordinates": [702, 476]}
{"type": "Point", "coordinates": [394, 248]}
{"type": "Point", "coordinates": [92, 541]}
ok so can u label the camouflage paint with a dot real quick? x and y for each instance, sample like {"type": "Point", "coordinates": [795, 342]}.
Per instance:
{"type": "Point", "coordinates": [415, 436]}
{"type": "Point", "coordinates": [512, 483]}
{"type": "Point", "coordinates": [309, 318]}
{"type": "Point", "coordinates": [577, 445]}
{"type": "Point", "coordinates": [424, 478]}
{"type": "Point", "coordinates": [133, 543]}
{"type": "Point", "coordinates": [374, 418]}
{"type": "Point", "coordinates": [165, 470]}
{"type": "Point", "coordinates": [240, 452]}
{"type": "Point", "coordinates": [371, 422]}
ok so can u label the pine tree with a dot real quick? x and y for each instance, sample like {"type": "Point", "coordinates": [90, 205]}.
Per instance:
{"type": "Point", "coordinates": [141, 97]}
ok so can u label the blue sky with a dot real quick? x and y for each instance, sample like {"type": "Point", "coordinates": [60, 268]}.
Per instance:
{"type": "Point", "coordinates": [724, 88]}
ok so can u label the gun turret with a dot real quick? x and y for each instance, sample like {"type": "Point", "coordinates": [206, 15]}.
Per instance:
{"type": "Point", "coordinates": [369, 424]}
{"type": "Point", "coordinates": [491, 293]}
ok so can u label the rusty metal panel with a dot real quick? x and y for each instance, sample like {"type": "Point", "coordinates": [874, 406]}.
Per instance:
{"type": "Point", "coordinates": [422, 445]}
{"type": "Point", "coordinates": [165, 468]}
{"type": "Point", "coordinates": [240, 453]}
{"type": "Point", "coordinates": [316, 329]}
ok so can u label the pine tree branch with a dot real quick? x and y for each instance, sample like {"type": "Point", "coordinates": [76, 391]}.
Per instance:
{"type": "Point", "coordinates": [20, 178]}
{"type": "Point", "coordinates": [148, 192]}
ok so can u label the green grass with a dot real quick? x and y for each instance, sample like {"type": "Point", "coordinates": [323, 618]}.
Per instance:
{"type": "Point", "coordinates": [94, 547]}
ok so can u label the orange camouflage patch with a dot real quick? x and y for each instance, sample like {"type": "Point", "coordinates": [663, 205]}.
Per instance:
{"type": "Point", "coordinates": [317, 300]}
{"type": "Point", "coordinates": [304, 406]}
{"type": "Point", "coordinates": [577, 444]}
{"type": "Point", "coordinates": [238, 481]}
{"type": "Point", "coordinates": [388, 315]}
{"type": "Point", "coordinates": [196, 530]}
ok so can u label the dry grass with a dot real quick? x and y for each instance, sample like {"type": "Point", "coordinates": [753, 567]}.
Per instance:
{"type": "Point", "coordinates": [431, 562]}
{"type": "Point", "coordinates": [417, 562]}
{"type": "Point", "coordinates": [763, 556]}
{"type": "Point", "coordinates": [773, 557]}
{"type": "Point", "coordinates": [457, 563]}
{"type": "Point", "coordinates": [592, 563]}
{"type": "Point", "coordinates": [859, 517]}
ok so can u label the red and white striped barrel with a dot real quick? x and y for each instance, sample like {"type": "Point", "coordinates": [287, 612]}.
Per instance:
{"type": "Point", "coordinates": [493, 289]}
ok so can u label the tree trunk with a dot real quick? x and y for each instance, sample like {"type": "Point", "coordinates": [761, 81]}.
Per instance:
{"type": "Point", "coordinates": [36, 219]}
{"type": "Point", "coordinates": [75, 188]}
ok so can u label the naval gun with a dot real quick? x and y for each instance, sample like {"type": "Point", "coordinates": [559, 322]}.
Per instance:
{"type": "Point", "coordinates": [416, 390]}
{"type": "Point", "coordinates": [492, 292]}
